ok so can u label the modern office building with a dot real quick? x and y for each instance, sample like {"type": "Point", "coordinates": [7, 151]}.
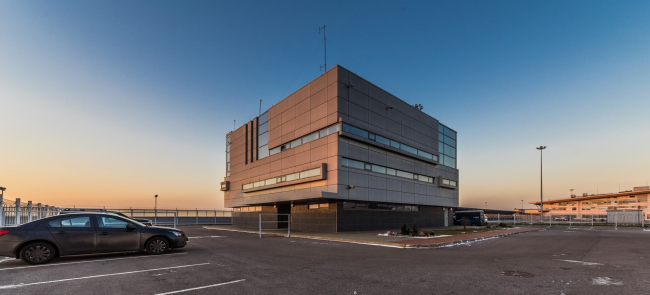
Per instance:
{"type": "Point", "coordinates": [588, 205]}
{"type": "Point", "coordinates": [341, 154]}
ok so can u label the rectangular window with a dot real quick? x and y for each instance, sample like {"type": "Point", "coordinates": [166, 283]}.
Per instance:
{"type": "Point", "coordinates": [263, 128]}
{"type": "Point", "coordinates": [263, 139]}
{"type": "Point", "coordinates": [275, 150]}
{"type": "Point", "coordinates": [270, 181]}
{"type": "Point", "coordinates": [294, 176]}
{"type": "Point", "coordinates": [310, 137]}
{"type": "Point", "coordinates": [355, 164]}
{"type": "Point", "coordinates": [450, 133]}
{"type": "Point", "coordinates": [450, 151]}
{"type": "Point", "coordinates": [263, 118]}
{"type": "Point", "coordinates": [379, 169]}
{"type": "Point", "coordinates": [404, 174]}
{"type": "Point", "coordinates": [409, 149]}
{"type": "Point", "coordinates": [425, 154]}
{"type": "Point", "coordinates": [390, 171]}
{"type": "Point", "coordinates": [423, 178]}
{"type": "Point", "coordinates": [450, 141]}
{"type": "Point", "coordinates": [263, 152]}
{"type": "Point", "coordinates": [449, 161]}
{"type": "Point", "coordinates": [382, 140]}
{"type": "Point", "coordinates": [355, 131]}
{"type": "Point", "coordinates": [348, 205]}
{"type": "Point", "coordinates": [296, 143]}
{"type": "Point", "coordinates": [368, 166]}
{"type": "Point", "coordinates": [310, 173]}
{"type": "Point", "coordinates": [371, 136]}
{"type": "Point", "coordinates": [330, 130]}
{"type": "Point", "coordinates": [394, 144]}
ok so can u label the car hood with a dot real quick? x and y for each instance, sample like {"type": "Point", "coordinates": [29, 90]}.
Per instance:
{"type": "Point", "coordinates": [166, 228]}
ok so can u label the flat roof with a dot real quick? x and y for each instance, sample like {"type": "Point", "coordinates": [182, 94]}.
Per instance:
{"type": "Point", "coordinates": [591, 197]}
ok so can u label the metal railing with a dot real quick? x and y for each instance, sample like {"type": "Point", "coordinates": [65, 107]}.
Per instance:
{"type": "Point", "coordinates": [611, 219]}
{"type": "Point", "coordinates": [277, 222]}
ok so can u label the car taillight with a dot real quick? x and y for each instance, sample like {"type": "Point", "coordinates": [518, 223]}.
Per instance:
{"type": "Point", "coordinates": [3, 232]}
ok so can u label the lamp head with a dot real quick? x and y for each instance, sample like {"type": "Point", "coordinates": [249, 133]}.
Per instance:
{"type": "Point", "coordinates": [2, 188]}
{"type": "Point", "coordinates": [156, 196]}
{"type": "Point", "coordinates": [541, 147]}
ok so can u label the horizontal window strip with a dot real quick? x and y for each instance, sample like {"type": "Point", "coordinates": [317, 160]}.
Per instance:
{"type": "Point", "coordinates": [388, 142]}
{"type": "Point", "coordinates": [378, 206]}
{"type": "Point", "coordinates": [300, 141]}
{"type": "Point", "coordinates": [449, 182]}
{"type": "Point", "coordinates": [386, 170]}
{"type": "Point", "coordinates": [285, 178]}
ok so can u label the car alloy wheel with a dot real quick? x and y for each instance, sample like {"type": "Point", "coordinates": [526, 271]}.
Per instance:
{"type": "Point", "coordinates": [37, 253]}
{"type": "Point", "coordinates": [157, 246]}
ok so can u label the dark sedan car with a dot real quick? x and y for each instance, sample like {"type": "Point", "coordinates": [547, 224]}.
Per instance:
{"type": "Point", "coordinates": [41, 241]}
{"type": "Point", "coordinates": [81, 210]}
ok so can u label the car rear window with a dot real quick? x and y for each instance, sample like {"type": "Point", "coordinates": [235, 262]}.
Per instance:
{"type": "Point", "coordinates": [76, 221]}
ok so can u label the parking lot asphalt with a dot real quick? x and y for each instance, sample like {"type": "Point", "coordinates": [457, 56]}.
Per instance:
{"type": "Point", "coordinates": [552, 261]}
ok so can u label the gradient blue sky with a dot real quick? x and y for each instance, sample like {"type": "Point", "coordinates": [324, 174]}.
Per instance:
{"type": "Point", "coordinates": [111, 102]}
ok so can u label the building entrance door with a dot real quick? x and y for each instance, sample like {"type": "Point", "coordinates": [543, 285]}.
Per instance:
{"type": "Point", "coordinates": [446, 217]}
{"type": "Point", "coordinates": [283, 209]}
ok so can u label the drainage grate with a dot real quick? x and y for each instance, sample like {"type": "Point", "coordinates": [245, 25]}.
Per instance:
{"type": "Point", "coordinates": [516, 273]}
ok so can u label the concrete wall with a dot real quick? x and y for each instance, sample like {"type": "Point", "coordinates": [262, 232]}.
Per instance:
{"type": "Point", "coordinates": [364, 220]}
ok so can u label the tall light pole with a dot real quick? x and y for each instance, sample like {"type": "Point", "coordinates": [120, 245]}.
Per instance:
{"type": "Point", "coordinates": [155, 210]}
{"type": "Point", "coordinates": [485, 205]}
{"type": "Point", "coordinates": [2, 213]}
{"type": "Point", "coordinates": [572, 193]}
{"type": "Point", "coordinates": [541, 183]}
{"type": "Point", "coordinates": [522, 206]}
{"type": "Point", "coordinates": [155, 206]}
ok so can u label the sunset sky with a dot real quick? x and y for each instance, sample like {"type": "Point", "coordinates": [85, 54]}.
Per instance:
{"type": "Point", "coordinates": [107, 103]}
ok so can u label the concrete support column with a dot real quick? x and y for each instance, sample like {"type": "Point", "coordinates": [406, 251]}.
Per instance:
{"type": "Point", "coordinates": [38, 207]}
{"type": "Point", "coordinates": [47, 210]}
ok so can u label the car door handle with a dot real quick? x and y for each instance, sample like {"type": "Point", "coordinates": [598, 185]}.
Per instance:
{"type": "Point", "coordinates": [60, 233]}
{"type": "Point", "coordinates": [103, 234]}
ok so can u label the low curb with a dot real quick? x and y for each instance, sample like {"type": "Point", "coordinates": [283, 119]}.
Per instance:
{"type": "Point", "coordinates": [409, 246]}
{"type": "Point", "coordinates": [458, 242]}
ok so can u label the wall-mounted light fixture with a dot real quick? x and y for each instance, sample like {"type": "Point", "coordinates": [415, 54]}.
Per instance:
{"type": "Point", "coordinates": [389, 107]}
{"type": "Point", "coordinates": [350, 186]}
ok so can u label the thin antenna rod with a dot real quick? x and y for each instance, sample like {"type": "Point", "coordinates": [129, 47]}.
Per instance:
{"type": "Point", "coordinates": [234, 122]}
{"type": "Point", "coordinates": [324, 45]}
{"type": "Point", "coordinates": [260, 108]}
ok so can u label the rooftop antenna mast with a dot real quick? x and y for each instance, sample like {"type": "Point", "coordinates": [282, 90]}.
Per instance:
{"type": "Point", "coordinates": [324, 45]}
{"type": "Point", "coordinates": [260, 108]}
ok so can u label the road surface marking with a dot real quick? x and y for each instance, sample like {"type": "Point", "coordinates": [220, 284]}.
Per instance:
{"type": "Point", "coordinates": [199, 288]}
{"type": "Point", "coordinates": [77, 262]}
{"type": "Point", "coordinates": [98, 276]}
{"type": "Point", "coordinates": [205, 237]}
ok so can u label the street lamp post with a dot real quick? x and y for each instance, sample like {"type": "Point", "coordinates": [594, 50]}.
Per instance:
{"type": "Point", "coordinates": [541, 183]}
{"type": "Point", "coordinates": [522, 206]}
{"type": "Point", "coordinates": [485, 205]}
{"type": "Point", "coordinates": [155, 210]}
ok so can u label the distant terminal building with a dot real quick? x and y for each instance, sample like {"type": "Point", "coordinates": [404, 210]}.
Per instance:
{"type": "Point", "coordinates": [585, 206]}
{"type": "Point", "coordinates": [341, 154]}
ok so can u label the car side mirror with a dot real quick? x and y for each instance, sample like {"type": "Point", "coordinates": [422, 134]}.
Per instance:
{"type": "Point", "coordinates": [130, 226]}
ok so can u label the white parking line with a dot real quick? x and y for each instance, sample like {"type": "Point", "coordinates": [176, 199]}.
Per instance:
{"type": "Point", "coordinates": [205, 237]}
{"type": "Point", "coordinates": [581, 262]}
{"type": "Point", "coordinates": [97, 276]}
{"type": "Point", "coordinates": [89, 261]}
{"type": "Point", "coordinates": [199, 288]}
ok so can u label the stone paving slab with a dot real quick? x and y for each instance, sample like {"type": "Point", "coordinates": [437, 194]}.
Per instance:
{"type": "Point", "coordinates": [457, 239]}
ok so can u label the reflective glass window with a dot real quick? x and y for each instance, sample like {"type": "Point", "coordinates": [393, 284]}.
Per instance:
{"type": "Point", "coordinates": [348, 205]}
{"type": "Point", "coordinates": [54, 223]}
{"type": "Point", "coordinates": [450, 151]}
{"type": "Point", "coordinates": [368, 166]}
{"type": "Point", "coordinates": [263, 118]}
{"type": "Point", "coordinates": [296, 143]}
{"type": "Point", "coordinates": [382, 140]}
{"type": "Point", "coordinates": [110, 222]}
{"type": "Point", "coordinates": [263, 152]}
{"type": "Point", "coordinates": [263, 128]}
{"type": "Point", "coordinates": [382, 206]}
{"type": "Point", "coordinates": [450, 133]}
{"type": "Point", "coordinates": [355, 130]}
{"type": "Point", "coordinates": [263, 139]}
{"type": "Point", "coordinates": [310, 173]}
{"type": "Point", "coordinates": [390, 171]}
{"type": "Point", "coordinates": [373, 206]}
{"type": "Point", "coordinates": [423, 178]}
{"type": "Point", "coordinates": [275, 150]}
{"type": "Point", "coordinates": [394, 144]}
{"type": "Point", "coordinates": [441, 128]}
{"type": "Point", "coordinates": [371, 136]}
{"type": "Point", "coordinates": [271, 181]}
{"type": "Point", "coordinates": [441, 147]}
{"type": "Point", "coordinates": [310, 137]}
{"type": "Point", "coordinates": [404, 174]}
{"type": "Point", "coordinates": [391, 207]}
{"type": "Point", "coordinates": [378, 169]}
{"type": "Point", "coordinates": [355, 164]}
{"type": "Point", "coordinates": [441, 137]}
{"type": "Point", "coordinates": [449, 161]}
{"type": "Point", "coordinates": [293, 176]}
{"type": "Point", "coordinates": [425, 154]}
{"type": "Point", "coordinates": [450, 141]}
{"type": "Point", "coordinates": [409, 149]}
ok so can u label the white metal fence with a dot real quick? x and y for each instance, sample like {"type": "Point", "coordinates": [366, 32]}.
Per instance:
{"type": "Point", "coordinates": [613, 218]}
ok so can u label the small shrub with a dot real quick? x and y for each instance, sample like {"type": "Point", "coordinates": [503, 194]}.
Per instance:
{"type": "Point", "coordinates": [415, 231]}
{"type": "Point", "coordinates": [503, 224]}
{"type": "Point", "coordinates": [404, 231]}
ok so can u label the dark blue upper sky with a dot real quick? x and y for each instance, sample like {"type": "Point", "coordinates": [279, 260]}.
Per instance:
{"type": "Point", "coordinates": [507, 75]}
